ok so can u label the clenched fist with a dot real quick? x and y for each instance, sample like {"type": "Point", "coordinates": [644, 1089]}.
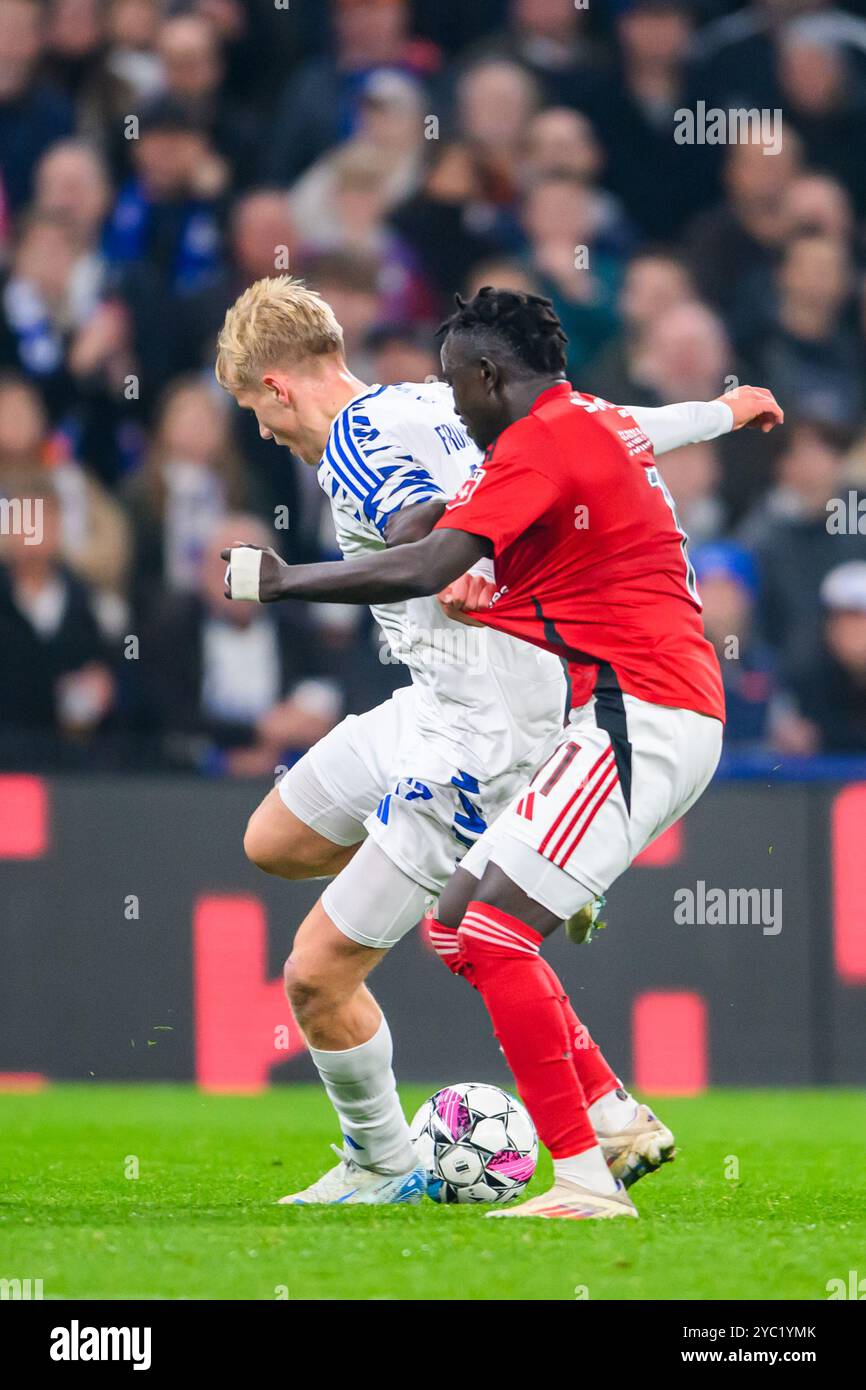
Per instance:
{"type": "Point", "coordinates": [470, 593]}
{"type": "Point", "coordinates": [254, 575]}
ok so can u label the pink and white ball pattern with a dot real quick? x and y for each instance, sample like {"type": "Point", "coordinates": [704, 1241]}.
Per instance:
{"type": "Point", "coordinates": [476, 1142]}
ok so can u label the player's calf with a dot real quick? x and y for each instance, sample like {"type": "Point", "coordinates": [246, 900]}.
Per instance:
{"type": "Point", "coordinates": [324, 982]}
{"type": "Point", "coordinates": [350, 1045]}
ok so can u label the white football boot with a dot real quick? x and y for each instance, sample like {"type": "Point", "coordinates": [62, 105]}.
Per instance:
{"type": "Point", "coordinates": [348, 1184]}
{"type": "Point", "coordinates": [640, 1148]}
{"type": "Point", "coordinates": [571, 1201]}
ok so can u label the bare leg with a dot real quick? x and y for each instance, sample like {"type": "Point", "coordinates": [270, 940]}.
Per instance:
{"type": "Point", "coordinates": [279, 843]}
{"type": "Point", "coordinates": [349, 1041]}
{"type": "Point", "coordinates": [325, 987]}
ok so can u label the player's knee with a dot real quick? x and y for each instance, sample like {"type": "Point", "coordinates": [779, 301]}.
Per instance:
{"type": "Point", "coordinates": [260, 847]}
{"type": "Point", "coordinates": [254, 845]}
{"type": "Point", "coordinates": [309, 988]}
{"type": "Point", "coordinates": [304, 986]}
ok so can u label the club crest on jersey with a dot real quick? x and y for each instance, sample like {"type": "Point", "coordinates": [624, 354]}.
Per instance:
{"type": "Point", "coordinates": [466, 489]}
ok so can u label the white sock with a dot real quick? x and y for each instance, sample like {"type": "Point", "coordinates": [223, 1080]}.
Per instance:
{"type": "Point", "coordinates": [362, 1089]}
{"type": "Point", "coordinates": [613, 1112]}
{"type": "Point", "coordinates": [588, 1168]}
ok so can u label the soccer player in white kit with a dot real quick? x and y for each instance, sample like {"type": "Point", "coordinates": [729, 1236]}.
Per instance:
{"type": "Point", "coordinates": [387, 804]}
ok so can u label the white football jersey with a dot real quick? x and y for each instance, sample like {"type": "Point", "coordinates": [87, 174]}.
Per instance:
{"type": "Point", "coordinates": [485, 702]}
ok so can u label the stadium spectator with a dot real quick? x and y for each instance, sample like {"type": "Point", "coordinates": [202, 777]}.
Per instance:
{"type": "Point", "coordinates": [495, 102]}
{"type": "Point", "coordinates": [244, 699]}
{"type": "Point", "coordinates": [693, 475]}
{"type": "Point", "coordinates": [819, 204]}
{"type": "Point", "coordinates": [165, 234]}
{"type": "Point", "coordinates": [169, 213]}
{"type": "Point", "coordinates": [825, 102]}
{"type": "Point", "coordinates": [56, 682]}
{"type": "Point", "coordinates": [74, 33]}
{"type": "Point", "coordinates": [560, 220]}
{"type": "Point", "coordinates": [562, 142]}
{"type": "Point", "coordinates": [390, 135]}
{"type": "Point", "coordinates": [446, 226]}
{"type": "Point", "coordinates": [262, 239]}
{"type": "Point", "coordinates": [76, 345]}
{"type": "Point", "coordinates": [831, 691]}
{"type": "Point", "coordinates": [402, 353]}
{"type": "Point", "coordinates": [125, 76]}
{"type": "Point", "coordinates": [356, 225]}
{"type": "Point", "coordinates": [190, 52]}
{"type": "Point", "coordinates": [32, 114]}
{"type": "Point", "coordinates": [808, 346]}
{"type": "Point", "coordinates": [737, 57]}
{"type": "Point", "coordinates": [321, 103]}
{"type": "Point", "coordinates": [660, 181]}
{"type": "Point", "coordinates": [550, 39]}
{"type": "Point", "coordinates": [728, 581]}
{"type": "Point", "coordinates": [688, 354]}
{"type": "Point", "coordinates": [94, 530]}
{"type": "Point", "coordinates": [349, 281]}
{"type": "Point", "coordinates": [796, 540]}
{"type": "Point", "coordinates": [72, 181]}
{"type": "Point", "coordinates": [190, 479]}
{"type": "Point", "coordinates": [38, 314]}
{"type": "Point", "coordinates": [655, 280]}
{"type": "Point", "coordinates": [734, 247]}
{"type": "Point", "coordinates": [502, 273]}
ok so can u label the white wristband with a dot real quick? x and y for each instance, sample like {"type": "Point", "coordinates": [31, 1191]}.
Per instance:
{"type": "Point", "coordinates": [244, 570]}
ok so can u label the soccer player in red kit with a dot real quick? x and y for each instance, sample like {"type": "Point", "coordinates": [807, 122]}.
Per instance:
{"type": "Point", "coordinates": [590, 562]}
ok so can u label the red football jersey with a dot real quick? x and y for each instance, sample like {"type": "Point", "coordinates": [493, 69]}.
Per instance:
{"type": "Point", "coordinates": [591, 562]}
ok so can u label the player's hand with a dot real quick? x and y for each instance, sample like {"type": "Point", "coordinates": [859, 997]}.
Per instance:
{"type": "Point", "coordinates": [754, 408]}
{"type": "Point", "coordinates": [254, 575]}
{"type": "Point", "coordinates": [470, 593]}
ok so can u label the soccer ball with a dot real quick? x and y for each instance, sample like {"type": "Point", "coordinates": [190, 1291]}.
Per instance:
{"type": "Point", "coordinates": [476, 1142]}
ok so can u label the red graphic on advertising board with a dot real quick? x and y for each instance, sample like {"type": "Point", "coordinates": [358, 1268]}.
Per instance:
{"type": "Point", "coordinates": [243, 1026]}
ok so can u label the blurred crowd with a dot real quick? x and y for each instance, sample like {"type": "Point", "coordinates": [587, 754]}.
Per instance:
{"type": "Point", "coordinates": [157, 157]}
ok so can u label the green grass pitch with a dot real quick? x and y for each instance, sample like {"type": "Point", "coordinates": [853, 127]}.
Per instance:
{"type": "Point", "coordinates": [767, 1200]}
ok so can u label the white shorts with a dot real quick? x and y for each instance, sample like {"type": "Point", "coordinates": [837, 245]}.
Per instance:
{"type": "Point", "coordinates": [358, 782]}
{"type": "Point", "coordinates": [600, 799]}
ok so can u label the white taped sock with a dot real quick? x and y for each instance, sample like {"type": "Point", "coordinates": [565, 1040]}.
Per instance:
{"type": "Point", "coordinates": [588, 1168]}
{"type": "Point", "coordinates": [613, 1112]}
{"type": "Point", "coordinates": [362, 1088]}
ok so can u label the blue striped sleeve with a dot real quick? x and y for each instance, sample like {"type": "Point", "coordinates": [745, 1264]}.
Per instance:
{"type": "Point", "coordinates": [375, 471]}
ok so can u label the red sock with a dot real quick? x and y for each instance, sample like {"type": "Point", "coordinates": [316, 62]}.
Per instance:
{"type": "Point", "coordinates": [444, 942]}
{"type": "Point", "coordinates": [594, 1074]}
{"type": "Point", "coordinates": [499, 956]}
{"type": "Point", "coordinates": [592, 1069]}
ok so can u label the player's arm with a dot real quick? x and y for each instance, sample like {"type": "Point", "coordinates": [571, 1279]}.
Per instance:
{"type": "Point", "coordinates": [387, 576]}
{"type": "Point", "coordinates": [414, 522]}
{"type": "Point", "coordinates": [693, 422]}
{"type": "Point", "coordinates": [486, 514]}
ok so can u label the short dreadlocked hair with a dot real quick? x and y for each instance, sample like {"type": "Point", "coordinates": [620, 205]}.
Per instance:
{"type": "Point", "coordinates": [527, 323]}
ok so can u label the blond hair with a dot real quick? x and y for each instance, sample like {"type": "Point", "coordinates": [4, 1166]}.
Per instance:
{"type": "Point", "coordinates": [277, 320]}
